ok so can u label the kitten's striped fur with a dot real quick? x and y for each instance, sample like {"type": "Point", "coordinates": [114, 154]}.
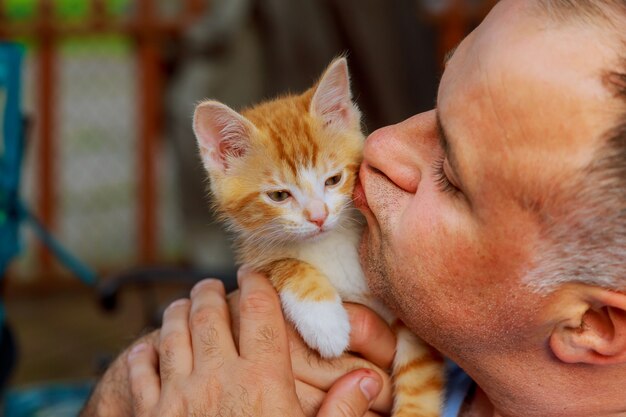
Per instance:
{"type": "Point", "coordinates": [304, 151]}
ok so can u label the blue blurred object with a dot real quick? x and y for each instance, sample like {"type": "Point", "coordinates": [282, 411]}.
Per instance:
{"type": "Point", "coordinates": [11, 149]}
{"type": "Point", "coordinates": [57, 400]}
{"type": "Point", "coordinates": [50, 400]}
{"type": "Point", "coordinates": [13, 210]}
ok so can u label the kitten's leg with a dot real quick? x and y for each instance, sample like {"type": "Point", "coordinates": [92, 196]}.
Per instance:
{"type": "Point", "coordinates": [312, 304]}
{"type": "Point", "coordinates": [418, 375]}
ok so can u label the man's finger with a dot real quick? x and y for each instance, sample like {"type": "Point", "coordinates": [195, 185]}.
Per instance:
{"type": "Point", "coordinates": [115, 383]}
{"type": "Point", "coordinates": [209, 322]}
{"type": "Point", "coordinates": [352, 395]}
{"type": "Point", "coordinates": [143, 378]}
{"type": "Point", "coordinates": [233, 307]}
{"type": "Point", "coordinates": [262, 327]}
{"type": "Point", "coordinates": [310, 398]}
{"type": "Point", "coordinates": [175, 355]}
{"type": "Point", "coordinates": [370, 336]}
{"type": "Point", "coordinates": [309, 368]}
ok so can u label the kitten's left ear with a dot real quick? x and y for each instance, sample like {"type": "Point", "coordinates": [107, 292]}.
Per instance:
{"type": "Point", "coordinates": [332, 101]}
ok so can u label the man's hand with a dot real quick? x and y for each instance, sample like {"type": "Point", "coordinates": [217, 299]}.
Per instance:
{"type": "Point", "coordinates": [371, 341]}
{"type": "Point", "coordinates": [372, 346]}
{"type": "Point", "coordinates": [111, 396]}
{"type": "Point", "coordinates": [201, 371]}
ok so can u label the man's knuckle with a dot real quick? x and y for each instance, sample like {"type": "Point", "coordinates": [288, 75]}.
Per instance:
{"type": "Point", "coordinates": [205, 316]}
{"type": "Point", "coordinates": [138, 404]}
{"type": "Point", "coordinates": [358, 363]}
{"type": "Point", "coordinates": [210, 343]}
{"type": "Point", "coordinates": [364, 328]}
{"type": "Point", "coordinates": [171, 341]}
{"type": "Point", "coordinates": [258, 302]}
{"type": "Point", "coordinates": [346, 408]}
{"type": "Point", "coordinates": [261, 371]}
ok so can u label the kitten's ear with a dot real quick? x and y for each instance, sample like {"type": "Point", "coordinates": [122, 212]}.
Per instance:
{"type": "Point", "coordinates": [222, 134]}
{"type": "Point", "coordinates": [332, 101]}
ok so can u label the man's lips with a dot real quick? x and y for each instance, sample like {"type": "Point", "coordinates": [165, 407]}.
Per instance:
{"type": "Point", "coordinates": [358, 195]}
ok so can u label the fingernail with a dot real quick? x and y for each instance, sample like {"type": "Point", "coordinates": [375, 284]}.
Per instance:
{"type": "Point", "coordinates": [370, 388]}
{"type": "Point", "coordinates": [136, 349]}
{"type": "Point", "coordinates": [178, 303]}
{"type": "Point", "coordinates": [243, 270]}
{"type": "Point", "coordinates": [202, 284]}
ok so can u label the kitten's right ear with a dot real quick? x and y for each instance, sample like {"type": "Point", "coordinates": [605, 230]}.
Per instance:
{"type": "Point", "coordinates": [222, 134]}
{"type": "Point", "coordinates": [332, 100]}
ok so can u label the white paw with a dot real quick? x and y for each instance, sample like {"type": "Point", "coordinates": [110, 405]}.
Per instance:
{"type": "Point", "coordinates": [323, 325]}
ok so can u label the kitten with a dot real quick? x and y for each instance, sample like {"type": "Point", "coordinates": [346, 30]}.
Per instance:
{"type": "Point", "coordinates": [282, 175]}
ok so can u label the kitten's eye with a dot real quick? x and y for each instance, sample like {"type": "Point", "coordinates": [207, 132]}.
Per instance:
{"type": "Point", "coordinates": [333, 180]}
{"type": "Point", "coordinates": [279, 196]}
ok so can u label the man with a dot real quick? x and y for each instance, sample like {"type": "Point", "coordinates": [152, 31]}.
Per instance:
{"type": "Point", "coordinates": [496, 231]}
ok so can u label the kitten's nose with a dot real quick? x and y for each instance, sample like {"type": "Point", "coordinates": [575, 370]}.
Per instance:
{"type": "Point", "coordinates": [316, 212]}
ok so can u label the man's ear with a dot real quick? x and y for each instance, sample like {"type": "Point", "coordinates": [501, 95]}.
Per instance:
{"type": "Point", "coordinates": [595, 331]}
{"type": "Point", "coordinates": [222, 134]}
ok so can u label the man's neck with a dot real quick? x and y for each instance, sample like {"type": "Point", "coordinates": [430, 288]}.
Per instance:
{"type": "Point", "coordinates": [480, 406]}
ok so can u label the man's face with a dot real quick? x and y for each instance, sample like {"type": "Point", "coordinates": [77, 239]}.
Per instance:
{"type": "Point", "coordinates": [451, 233]}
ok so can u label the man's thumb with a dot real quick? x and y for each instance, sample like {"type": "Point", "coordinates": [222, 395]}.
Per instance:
{"type": "Point", "coordinates": [351, 395]}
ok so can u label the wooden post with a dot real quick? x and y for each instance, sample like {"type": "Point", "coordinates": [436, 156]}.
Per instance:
{"type": "Point", "coordinates": [149, 94]}
{"type": "Point", "coordinates": [3, 19]}
{"type": "Point", "coordinates": [98, 15]}
{"type": "Point", "coordinates": [193, 7]}
{"type": "Point", "coordinates": [148, 30]}
{"type": "Point", "coordinates": [46, 66]}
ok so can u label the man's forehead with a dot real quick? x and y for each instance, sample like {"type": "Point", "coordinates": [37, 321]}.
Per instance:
{"type": "Point", "coordinates": [522, 101]}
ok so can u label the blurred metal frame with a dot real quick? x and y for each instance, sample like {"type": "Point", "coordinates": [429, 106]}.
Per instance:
{"type": "Point", "coordinates": [148, 30]}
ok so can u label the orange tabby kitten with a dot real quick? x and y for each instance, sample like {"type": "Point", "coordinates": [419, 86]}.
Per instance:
{"type": "Point", "coordinates": [282, 175]}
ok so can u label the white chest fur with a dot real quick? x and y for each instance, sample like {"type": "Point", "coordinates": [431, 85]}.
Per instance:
{"type": "Point", "coordinates": [324, 325]}
{"type": "Point", "coordinates": [336, 256]}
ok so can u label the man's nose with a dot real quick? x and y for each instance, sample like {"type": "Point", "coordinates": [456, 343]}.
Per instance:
{"type": "Point", "coordinates": [316, 212]}
{"type": "Point", "coordinates": [403, 151]}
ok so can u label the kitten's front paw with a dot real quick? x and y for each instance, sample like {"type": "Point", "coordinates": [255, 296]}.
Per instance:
{"type": "Point", "coordinates": [323, 325]}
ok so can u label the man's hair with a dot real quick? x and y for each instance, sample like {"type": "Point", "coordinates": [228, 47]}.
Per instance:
{"type": "Point", "coordinates": [585, 241]}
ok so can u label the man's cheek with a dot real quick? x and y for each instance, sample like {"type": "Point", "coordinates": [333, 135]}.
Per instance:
{"type": "Point", "coordinates": [441, 247]}
{"type": "Point", "coordinates": [422, 227]}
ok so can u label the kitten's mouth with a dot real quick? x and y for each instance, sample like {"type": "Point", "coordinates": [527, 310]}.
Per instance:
{"type": "Point", "coordinates": [312, 235]}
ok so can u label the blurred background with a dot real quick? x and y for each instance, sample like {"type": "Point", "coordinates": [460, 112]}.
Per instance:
{"type": "Point", "coordinates": [105, 93]}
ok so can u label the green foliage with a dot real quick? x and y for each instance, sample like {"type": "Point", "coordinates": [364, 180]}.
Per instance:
{"type": "Point", "coordinates": [71, 10]}
{"type": "Point", "coordinates": [102, 44]}
{"type": "Point", "coordinates": [20, 9]}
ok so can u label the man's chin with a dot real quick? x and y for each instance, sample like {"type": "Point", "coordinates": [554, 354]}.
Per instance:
{"type": "Point", "coordinates": [364, 252]}
{"type": "Point", "coordinates": [374, 267]}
